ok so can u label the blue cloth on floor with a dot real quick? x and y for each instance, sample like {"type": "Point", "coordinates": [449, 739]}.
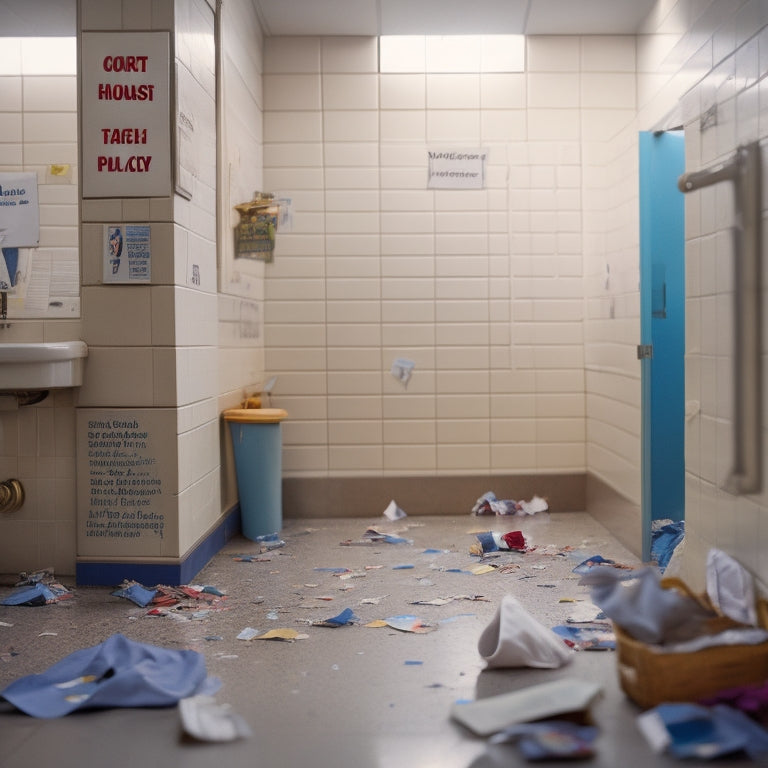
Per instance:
{"type": "Point", "coordinates": [664, 542]}
{"type": "Point", "coordinates": [31, 594]}
{"type": "Point", "coordinates": [116, 673]}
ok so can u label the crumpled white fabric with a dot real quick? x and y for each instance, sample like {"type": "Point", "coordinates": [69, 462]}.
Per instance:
{"type": "Point", "coordinates": [731, 588]}
{"type": "Point", "coordinates": [643, 608]}
{"type": "Point", "coordinates": [515, 639]}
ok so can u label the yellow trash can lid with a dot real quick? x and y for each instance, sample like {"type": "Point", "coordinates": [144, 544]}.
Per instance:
{"type": "Point", "coordinates": [255, 415]}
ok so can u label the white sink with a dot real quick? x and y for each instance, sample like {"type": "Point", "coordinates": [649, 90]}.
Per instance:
{"type": "Point", "coordinates": [44, 365]}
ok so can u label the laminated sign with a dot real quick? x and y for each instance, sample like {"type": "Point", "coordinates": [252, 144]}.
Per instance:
{"type": "Point", "coordinates": [456, 169]}
{"type": "Point", "coordinates": [19, 211]}
{"type": "Point", "coordinates": [255, 232]}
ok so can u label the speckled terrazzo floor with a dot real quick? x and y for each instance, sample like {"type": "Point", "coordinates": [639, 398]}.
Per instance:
{"type": "Point", "coordinates": [353, 696]}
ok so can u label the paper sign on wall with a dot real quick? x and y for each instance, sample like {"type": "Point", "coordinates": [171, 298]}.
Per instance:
{"type": "Point", "coordinates": [19, 210]}
{"type": "Point", "coordinates": [125, 108]}
{"type": "Point", "coordinates": [127, 253]}
{"type": "Point", "coordinates": [456, 169]}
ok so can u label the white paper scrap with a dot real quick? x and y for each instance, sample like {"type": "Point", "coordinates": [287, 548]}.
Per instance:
{"type": "Point", "coordinates": [491, 715]}
{"type": "Point", "coordinates": [393, 512]}
{"type": "Point", "coordinates": [205, 720]}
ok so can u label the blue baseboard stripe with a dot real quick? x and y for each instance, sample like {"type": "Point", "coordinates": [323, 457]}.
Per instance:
{"type": "Point", "coordinates": [172, 574]}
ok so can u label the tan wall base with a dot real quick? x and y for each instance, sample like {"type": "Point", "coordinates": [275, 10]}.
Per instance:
{"type": "Point", "coordinates": [623, 518]}
{"type": "Point", "coordinates": [307, 497]}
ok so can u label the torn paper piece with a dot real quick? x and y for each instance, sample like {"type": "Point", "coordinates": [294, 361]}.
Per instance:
{"type": "Point", "coordinates": [692, 731]}
{"type": "Point", "coordinates": [488, 504]}
{"type": "Point", "coordinates": [393, 512]}
{"type": "Point", "coordinates": [285, 634]}
{"type": "Point", "coordinates": [485, 717]}
{"type": "Point", "coordinates": [586, 638]}
{"type": "Point", "coordinates": [479, 570]}
{"type": "Point", "coordinates": [402, 369]}
{"type": "Point", "coordinates": [434, 601]}
{"type": "Point", "coordinates": [248, 633]}
{"type": "Point", "coordinates": [373, 535]}
{"type": "Point", "coordinates": [406, 623]}
{"type": "Point", "coordinates": [347, 616]}
{"type": "Point", "coordinates": [492, 541]}
{"type": "Point", "coordinates": [205, 720]}
{"type": "Point", "coordinates": [270, 541]}
{"type": "Point", "coordinates": [554, 740]}
{"type": "Point", "coordinates": [586, 613]}
{"type": "Point", "coordinates": [536, 504]}
{"type": "Point", "coordinates": [598, 562]}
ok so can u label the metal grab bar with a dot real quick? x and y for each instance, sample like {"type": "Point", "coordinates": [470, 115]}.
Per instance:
{"type": "Point", "coordinates": [745, 171]}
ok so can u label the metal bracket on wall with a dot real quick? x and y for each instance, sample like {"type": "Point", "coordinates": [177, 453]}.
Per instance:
{"type": "Point", "coordinates": [745, 171]}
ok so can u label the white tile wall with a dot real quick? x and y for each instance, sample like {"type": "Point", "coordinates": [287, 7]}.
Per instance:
{"type": "Point", "coordinates": [487, 293]}
{"type": "Point", "coordinates": [418, 263]}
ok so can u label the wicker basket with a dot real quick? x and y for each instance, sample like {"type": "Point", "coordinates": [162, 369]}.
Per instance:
{"type": "Point", "coordinates": [650, 678]}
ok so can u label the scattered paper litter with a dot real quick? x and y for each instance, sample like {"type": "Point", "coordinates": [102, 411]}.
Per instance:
{"type": "Point", "coordinates": [248, 633]}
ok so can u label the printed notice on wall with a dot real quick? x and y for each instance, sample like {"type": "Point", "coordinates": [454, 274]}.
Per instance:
{"type": "Point", "coordinates": [127, 253]}
{"type": "Point", "coordinates": [456, 169]}
{"type": "Point", "coordinates": [19, 210]}
{"type": "Point", "coordinates": [125, 114]}
{"type": "Point", "coordinates": [124, 494]}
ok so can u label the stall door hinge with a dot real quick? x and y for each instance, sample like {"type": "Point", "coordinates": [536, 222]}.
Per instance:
{"type": "Point", "coordinates": [644, 351]}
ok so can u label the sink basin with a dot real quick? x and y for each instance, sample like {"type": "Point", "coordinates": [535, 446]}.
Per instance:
{"type": "Point", "coordinates": [44, 365]}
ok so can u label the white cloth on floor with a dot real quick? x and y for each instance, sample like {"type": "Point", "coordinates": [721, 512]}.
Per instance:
{"type": "Point", "coordinates": [731, 587]}
{"type": "Point", "coordinates": [515, 639]}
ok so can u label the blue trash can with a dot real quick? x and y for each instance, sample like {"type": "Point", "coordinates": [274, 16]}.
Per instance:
{"type": "Point", "coordinates": [257, 444]}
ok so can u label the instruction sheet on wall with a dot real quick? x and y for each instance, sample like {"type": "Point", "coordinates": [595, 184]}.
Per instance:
{"type": "Point", "coordinates": [127, 253]}
{"type": "Point", "coordinates": [125, 485]}
{"type": "Point", "coordinates": [456, 169]}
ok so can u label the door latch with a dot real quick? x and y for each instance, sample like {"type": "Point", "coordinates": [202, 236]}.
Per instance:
{"type": "Point", "coordinates": [644, 351]}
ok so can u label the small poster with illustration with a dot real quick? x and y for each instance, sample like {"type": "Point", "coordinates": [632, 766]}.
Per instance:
{"type": "Point", "coordinates": [127, 253]}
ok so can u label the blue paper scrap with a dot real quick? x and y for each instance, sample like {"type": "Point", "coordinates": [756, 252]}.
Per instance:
{"type": "Point", "coordinates": [587, 638]}
{"type": "Point", "coordinates": [695, 731]}
{"type": "Point", "coordinates": [136, 593]}
{"type": "Point", "coordinates": [347, 616]}
{"type": "Point", "coordinates": [552, 739]}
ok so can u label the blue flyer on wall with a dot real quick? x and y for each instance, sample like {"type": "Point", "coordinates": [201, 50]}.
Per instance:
{"type": "Point", "coordinates": [127, 253]}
